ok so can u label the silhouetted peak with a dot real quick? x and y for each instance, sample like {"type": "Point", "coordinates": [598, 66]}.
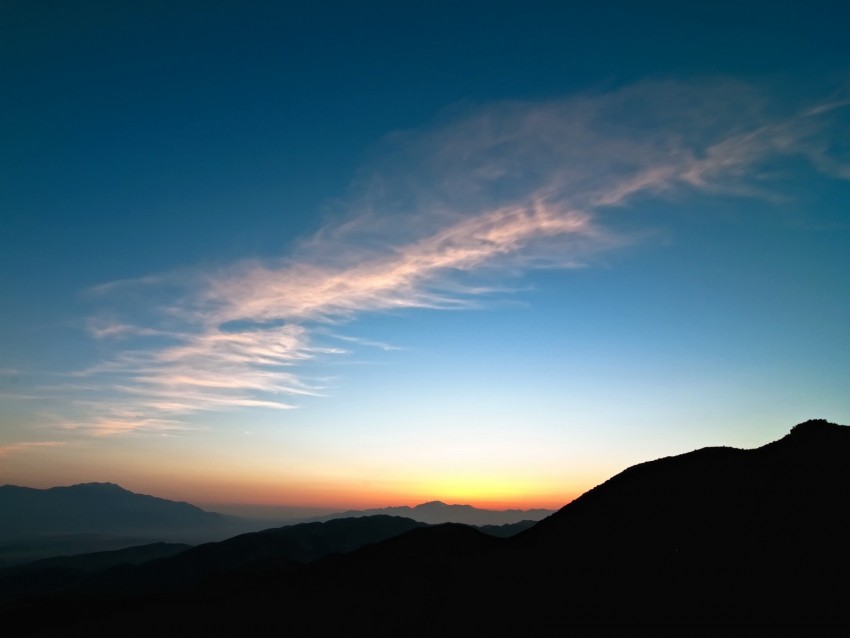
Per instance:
{"type": "Point", "coordinates": [813, 427]}
{"type": "Point", "coordinates": [93, 488]}
{"type": "Point", "coordinates": [112, 487]}
{"type": "Point", "coordinates": [439, 506]}
{"type": "Point", "coordinates": [87, 487]}
{"type": "Point", "coordinates": [815, 432]}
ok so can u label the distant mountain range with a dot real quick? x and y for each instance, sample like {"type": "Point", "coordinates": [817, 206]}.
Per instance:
{"type": "Point", "coordinates": [160, 567]}
{"type": "Point", "coordinates": [107, 508]}
{"type": "Point", "coordinates": [96, 508]}
{"type": "Point", "coordinates": [716, 539]}
{"type": "Point", "coordinates": [95, 517]}
{"type": "Point", "coordinates": [168, 567]}
{"type": "Point", "coordinates": [436, 512]}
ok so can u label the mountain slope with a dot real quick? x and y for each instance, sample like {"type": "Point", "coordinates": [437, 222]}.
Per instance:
{"type": "Point", "coordinates": [62, 572]}
{"type": "Point", "coordinates": [255, 551]}
{"type": "Point", "coordinates": [164, 567]}
{"type": "Point", "coordinates": [783, 492]}
{"type": "Point", "coordinates": [172, 566]}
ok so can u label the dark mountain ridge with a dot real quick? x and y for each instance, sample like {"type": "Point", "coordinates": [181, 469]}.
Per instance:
{"type": "Point", "coordinates": [772, 494]}
{"type": "Point", "coordinates": [171, 567]}
{"type": "Point", "coordinates": [95, 508]}
{"type": "Point", "coordinates": [256, 551]}
{"type": "Point", "coordinates": [95, 517]}
{"type": "Point", "coordinates": [437, 512]}
{"type": "Point", "coordinates": [716, 538]}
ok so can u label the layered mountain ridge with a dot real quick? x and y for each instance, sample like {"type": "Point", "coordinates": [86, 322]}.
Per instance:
{"type": "Point", "coordinates": [715, 538]}
{"type": "Point", "coordinates": [436, 512]}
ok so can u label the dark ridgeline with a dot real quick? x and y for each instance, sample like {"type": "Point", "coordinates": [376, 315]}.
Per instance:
{"type": "Point", "coordinates": [713, 538]}
{"type": "Point", "coordinates": [166, 567]}
{"type": "Point", "coordinates": [436, 512]}
{"type": "Point", "coordinates": [61, 573]}
{"type": "Point", "coordinates": [94, 517]}
{"type": "Point", "coordinates": [101, 508]}
{"type": "Point", "coordinates": [98, 517]}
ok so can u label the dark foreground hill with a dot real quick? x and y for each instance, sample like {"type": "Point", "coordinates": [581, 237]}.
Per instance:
{"type": "Point", "coordinates": [161, 567]}
{"type": "Point", "coordinates": [715, 538]}
{"type": "Point", "coordinates": [172, 567]}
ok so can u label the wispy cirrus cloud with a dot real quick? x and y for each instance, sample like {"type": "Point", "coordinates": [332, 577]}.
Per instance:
{"type": "Point", "coordinates": [103, 327]}
{"type": "Point", "coordinates": [488, 190]}
{"type": "Point", "coordinates": [408, 276]}
{"type": "Point", "coordinates": [25, 446]}
{"type": "Point", "coordinates": [105, 419]}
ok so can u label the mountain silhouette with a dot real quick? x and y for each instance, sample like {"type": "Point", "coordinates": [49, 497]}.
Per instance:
{"type": "Point", "coordinates": [774, 495]}
{"type": "Point", "coordinates": [99, 517]}
{"type": "Point", "coordinates": [436, 512]}
{"type": "Point", "coordinates": [93, 517]}
{"type": "Point", "coordinates": [94, 508]}
{"type": "Point", "coordinates": [172, 566]}
{"type": "Point", "coordinates": [61, 573]}
{"type": "Point", "coordinates": [717, 538]}
{"type": "Point", "coordinates": [168, 567]}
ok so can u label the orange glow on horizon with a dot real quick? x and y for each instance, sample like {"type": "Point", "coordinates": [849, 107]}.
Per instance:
{"type": "Point", "coordinates": [482, 495]}
{"type": "Point", "coordinates": [336, 488]}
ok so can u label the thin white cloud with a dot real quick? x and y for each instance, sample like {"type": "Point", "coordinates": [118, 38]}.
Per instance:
{"type": "Point", "coordinates": [492, 189]}
{"type": "Point", "coordinates": [369, 343]}
{"type": "Point", "coordinates": [406, 277]}
{"type": "Point", "coordinates": [106, 421]}
{"type": "Point", "coordinates": [108, 328]}
{"type": "Point", "coordinates": [26, 446]}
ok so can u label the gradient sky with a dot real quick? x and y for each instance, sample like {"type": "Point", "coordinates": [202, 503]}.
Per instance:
{"type": "Point", "coordinates": [350, 254]}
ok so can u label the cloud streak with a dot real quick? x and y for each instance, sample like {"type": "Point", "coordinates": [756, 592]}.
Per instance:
{"type": "Point", "coordinates": [440, 212]}
{"type": "Point", "coordinates": [26, 446]}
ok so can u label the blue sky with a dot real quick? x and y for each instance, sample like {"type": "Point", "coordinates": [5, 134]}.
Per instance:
{"type": "Point", "coordinates": [378, 253]}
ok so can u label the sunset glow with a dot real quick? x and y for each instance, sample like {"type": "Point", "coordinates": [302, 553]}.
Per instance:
{"type": "Point", "coordinates": [350, 257]}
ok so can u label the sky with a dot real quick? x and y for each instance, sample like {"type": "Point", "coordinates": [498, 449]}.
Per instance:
{"type": "Point", "coordinates": [340, 254]}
